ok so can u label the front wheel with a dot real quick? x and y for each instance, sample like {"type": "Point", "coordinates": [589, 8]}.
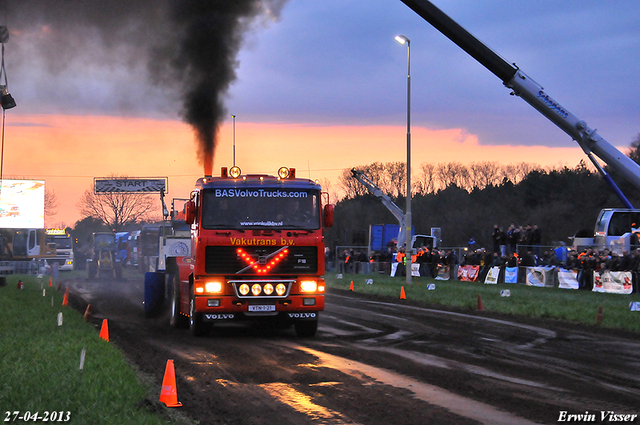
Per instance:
{"type": "Point", "coordinates": [306, 328]}
{"type": "Point", "coordinates": [195, 320]}
{"type": "Point", "coordinates": [176, 319]}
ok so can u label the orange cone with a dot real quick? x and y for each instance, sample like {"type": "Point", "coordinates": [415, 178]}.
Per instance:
{"type": "Point", "coordinates": [599, 316]}
{"type": "Point", "coordinates": [87, 313]}
{"type": "Point", "coordinates": [169, 393]}
{"type": "Point", "coordinates": [104, 331]}
{"type": "Point", "coordinates": [351, 287]}
{"type": "Point", "coordinates": [65, 299]}
{"type": "Point", "coordinates": [480, 305]}
{"type": "Point", "coordinates": [50, 281]}
{"type": "Point", "coordinates": [403, 296]}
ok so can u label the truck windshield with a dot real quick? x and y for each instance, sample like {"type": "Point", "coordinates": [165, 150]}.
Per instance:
{"type": "Point", "coordinates": [60, 241]}
{"type": "Point", "coordinates": [248, 208]}
{"type": "Point", "coordinates": [103, 241]}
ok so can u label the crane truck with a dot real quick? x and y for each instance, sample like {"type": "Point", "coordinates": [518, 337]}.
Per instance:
{"type": "Point", "coordinates": [257, 252]}
{"type": "Point", "coordinates": [613, 226]}
{"type": "Point", "coordinates": [417, 241]}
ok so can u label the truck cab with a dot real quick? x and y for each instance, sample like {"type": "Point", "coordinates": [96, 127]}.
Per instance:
{"type": "Point", "coordinates": [257, 252]}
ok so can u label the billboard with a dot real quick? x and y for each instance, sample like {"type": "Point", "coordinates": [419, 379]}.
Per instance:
{"type": "Point", "coordinates": [22, 204]}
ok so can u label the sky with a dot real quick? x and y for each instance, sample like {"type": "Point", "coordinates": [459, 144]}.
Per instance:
{"type": "Point", "coordinates": [316, 85]}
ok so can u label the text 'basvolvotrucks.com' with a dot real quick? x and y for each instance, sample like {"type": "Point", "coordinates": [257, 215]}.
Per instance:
{"type": "Point", "coordinates": [257, 252]}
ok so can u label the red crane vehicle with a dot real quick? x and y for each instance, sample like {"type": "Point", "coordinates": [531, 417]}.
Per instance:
{"type": "Point", "coordinates": [257, 252]}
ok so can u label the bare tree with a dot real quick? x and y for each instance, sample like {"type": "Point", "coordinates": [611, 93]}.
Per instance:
{"type": "Point", "coordinates": [327, 187]}
{"type": "Point", "coordinates": [453, 173]}
{"type": "Point", "coordinates": [426, 182]}
{"type": "Point", "coordinates": [117, 209]}
{"type": "Point", "coordinates": [397, 175]}
{"type": "Point", "coordinates": [486, 173]}
{"type": "Point", "coordinates": [516, 172]}
{"type": "Point", "coordinates": [51, 204]}
{"type": "Point", "coordinates": [351, 187]}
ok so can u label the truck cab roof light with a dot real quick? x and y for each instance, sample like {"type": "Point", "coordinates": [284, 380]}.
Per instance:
{"type": "Point", "coordinates": [235, 172]}
{"type": "Point", "coordinates": [283, 172]}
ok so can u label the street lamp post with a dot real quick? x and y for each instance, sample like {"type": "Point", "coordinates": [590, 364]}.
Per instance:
{"type": "Point", "coordinates": [402, 40]}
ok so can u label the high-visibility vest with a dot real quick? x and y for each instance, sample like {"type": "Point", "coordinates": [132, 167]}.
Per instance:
{"type": "Point", "coordinates": [400, 257]}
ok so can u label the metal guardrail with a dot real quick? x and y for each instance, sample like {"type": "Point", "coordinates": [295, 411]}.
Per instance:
{"type": "Point", "coordinates": [21, 267]}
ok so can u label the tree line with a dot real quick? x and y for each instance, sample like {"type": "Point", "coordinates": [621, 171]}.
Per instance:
{"type": "Point", "coordinates": [466, 201]}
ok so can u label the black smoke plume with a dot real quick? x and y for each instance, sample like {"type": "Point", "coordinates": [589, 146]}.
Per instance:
{"type": "Point", "coordinates": [188, 47]}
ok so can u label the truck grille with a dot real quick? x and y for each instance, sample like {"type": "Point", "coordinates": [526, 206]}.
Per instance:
{"type": "Point", "coordinates": [228, 260]}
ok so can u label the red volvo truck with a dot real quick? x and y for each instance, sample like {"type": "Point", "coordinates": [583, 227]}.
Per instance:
{"type": "Point", "coordinates": [257, 252]}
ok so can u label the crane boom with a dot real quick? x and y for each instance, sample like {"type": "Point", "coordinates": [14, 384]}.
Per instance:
{"type": "Point", "coordinates": [386, 200]}
{"type": "Point", "coordinates": [530, 91]}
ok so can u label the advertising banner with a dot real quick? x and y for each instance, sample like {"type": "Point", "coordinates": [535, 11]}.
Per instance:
{"type": "Point", "coordinates": [492, 276]}
{"type": "Point", "coordinates": [511, 275]}
{"type": "Point", "coordinates": [568, 279]}
{"type": "Point", "coordinates": [612, 282]}
{"type": "Point", "coordinates": [541, 276]}
{"type": "Point", "coordinates": [468, 273]}
{"type": "Point", "coordinates": [443, 273]}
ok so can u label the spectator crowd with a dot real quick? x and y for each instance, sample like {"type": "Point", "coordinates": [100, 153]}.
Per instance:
{"type": "Point", "coordinates": [518, 246]}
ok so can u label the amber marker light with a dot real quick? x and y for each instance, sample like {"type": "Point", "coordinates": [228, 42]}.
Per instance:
{"type": "Point", "coordinates": [235, 172]}
{"type": "Point", "coordinates": [283, 172]}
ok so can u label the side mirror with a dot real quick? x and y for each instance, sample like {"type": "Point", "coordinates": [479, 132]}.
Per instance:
{"type": "Point", "coordinates": [327, 215]}
{"type": "Point", "coordinates": [190, 212]}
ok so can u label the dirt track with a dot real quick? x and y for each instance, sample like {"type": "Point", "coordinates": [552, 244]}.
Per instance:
{"type": "Point", "coordinates": [378, 362]}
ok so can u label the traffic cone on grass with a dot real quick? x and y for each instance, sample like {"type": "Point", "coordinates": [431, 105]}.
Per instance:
{"type": "Point", "coordinates": [351, 286]}
{"type": "Point", "coordinates": [104, 331]}
{"type": "Point", "coordinates": [480, 305]}
{"type": "Point", "coordinates": [87, 313]}
{"type": "Point", "coordinates": [50, 281]}
{"type": "Point", "coordinates": [65, 299]}
{"type": "Point", "coordinates": [599, 316]}
{"type": "Point", "coordinates": [169, 392]}
{"type": "Point", "coordinates": [403, 296]}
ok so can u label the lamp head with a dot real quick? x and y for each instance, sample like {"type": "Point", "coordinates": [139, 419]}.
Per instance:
{"type": "Point", "coordinates": [402, 39]}
{"type": "Point", "coordinates": [6, 100]}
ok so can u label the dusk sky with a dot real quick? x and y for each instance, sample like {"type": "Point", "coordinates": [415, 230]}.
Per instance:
{"type": "Point", "coordinates": [321, 86]}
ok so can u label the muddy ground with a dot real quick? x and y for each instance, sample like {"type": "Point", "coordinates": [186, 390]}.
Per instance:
{"type": "Point", "coordinates": [375, 361]}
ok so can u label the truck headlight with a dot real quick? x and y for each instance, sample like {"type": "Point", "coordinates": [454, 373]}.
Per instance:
{"type": "Point", "coordinates": [214, 287]}
{"type": "Point", "coordinates": [308, 286]}
{"type": "Point", "coordinates": [244, 289]}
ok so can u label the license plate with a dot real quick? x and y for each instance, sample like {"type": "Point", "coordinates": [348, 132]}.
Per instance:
{"type": "Point", "coordinates": [262, 308]}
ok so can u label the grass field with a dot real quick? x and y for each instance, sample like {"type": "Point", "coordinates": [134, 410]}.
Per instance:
{"type": "Point", "coordinates": [40, 367]}
{"type": "Point", "coordinates": [553, 303]}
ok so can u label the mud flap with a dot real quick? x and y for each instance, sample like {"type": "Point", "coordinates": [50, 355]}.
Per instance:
{"type": "Point", "coordinates": [153, 293]}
